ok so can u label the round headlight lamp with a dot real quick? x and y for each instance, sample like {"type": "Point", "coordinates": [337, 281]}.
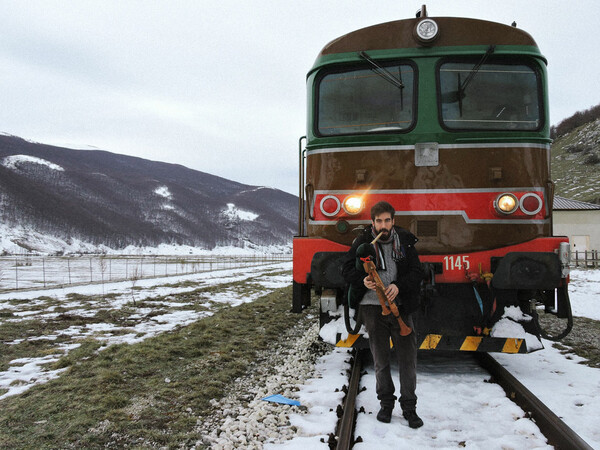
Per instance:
{"type": "Point", "coordinates": [330, 205]}
{"type": "Point", "coordinates": [531, 204]}
{"type": "Point", "coordinates": [506, 203]}
{"type": "Point", "coordinates": [426, 31]}
{"type": "Point", "coordinates": [353, 204]}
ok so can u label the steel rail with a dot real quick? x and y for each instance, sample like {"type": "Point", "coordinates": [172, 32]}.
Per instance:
{"type": "Point", "coordinates": [558, 433]}
{"type": "Point", "coordinates": [345, 428]}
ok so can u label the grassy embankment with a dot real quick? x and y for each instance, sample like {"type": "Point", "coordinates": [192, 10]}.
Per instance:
{"type": "Point", "coordinates": [141, 395]}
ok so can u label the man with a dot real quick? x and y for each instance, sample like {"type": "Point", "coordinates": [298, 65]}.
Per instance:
{"type": "Point", "coordinates": [399, 268]}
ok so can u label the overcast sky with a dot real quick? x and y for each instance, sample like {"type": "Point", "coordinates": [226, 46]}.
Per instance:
{"type": "Point", "coordinates": [219, 86]}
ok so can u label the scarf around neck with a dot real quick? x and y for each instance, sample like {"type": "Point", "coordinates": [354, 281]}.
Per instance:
{"type": "Point", "coordinates": [398, 251]}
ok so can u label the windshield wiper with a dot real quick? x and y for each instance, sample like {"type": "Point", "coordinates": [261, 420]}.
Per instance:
{"type": "Point", "coordinates": [462, 86]}
{"type": "Point", "coordinates": [386, 75]}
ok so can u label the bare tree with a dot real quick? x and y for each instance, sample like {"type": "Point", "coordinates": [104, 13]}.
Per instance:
{"type": "Point", "coordinates": [135, 276]}
{"type": "Point", "coordinates": [103, 267]}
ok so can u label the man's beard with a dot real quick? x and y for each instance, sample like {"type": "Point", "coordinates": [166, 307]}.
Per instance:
{"type": "Point", "coordinates": [385, 232]}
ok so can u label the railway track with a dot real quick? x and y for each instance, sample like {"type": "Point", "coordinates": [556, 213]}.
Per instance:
{"type": "Point", "coordinates": [557, 432]}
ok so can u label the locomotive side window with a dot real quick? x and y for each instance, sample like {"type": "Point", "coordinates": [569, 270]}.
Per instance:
{"type": "Point", "coordinates": [366, 101]}
{"type": "Point", "coordinates": [490, 97]}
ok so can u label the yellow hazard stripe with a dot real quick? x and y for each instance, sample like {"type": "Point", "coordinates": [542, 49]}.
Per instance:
{"type": "Point", "coordinates": [430, 342]}
{"type": "Point", "coordinates": [452, 343]}
{"type": "Point", "coordinates": [512, 345]}
{"type": "Point", "coordinates": [471, 344]}
{"type": "Point", "coordinates": [349, 341]}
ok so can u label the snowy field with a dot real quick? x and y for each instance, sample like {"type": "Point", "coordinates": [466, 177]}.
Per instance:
{"type": "Point", "coordinates": [32, 272]}
{"type": "Point", "coordinates": [142, 322]}
{"type": "Point", "coordinates": [457, 405]}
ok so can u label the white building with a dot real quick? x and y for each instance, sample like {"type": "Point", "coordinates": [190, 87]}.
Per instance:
{"type": "Point", "coordinates": [578, 220]}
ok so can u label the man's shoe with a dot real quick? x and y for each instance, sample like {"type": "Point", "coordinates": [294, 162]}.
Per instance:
{"type": "Point", "coordinates": [385, 415]}
{"type": "Point", "coordinates": [414, 421]}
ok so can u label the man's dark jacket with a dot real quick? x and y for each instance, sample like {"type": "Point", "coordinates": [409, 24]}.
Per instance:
{"type": "Point", "coordinates": [408, 278]}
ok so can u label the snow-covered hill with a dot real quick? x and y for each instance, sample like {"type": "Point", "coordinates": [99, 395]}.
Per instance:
{"type": "Point", "coordinates": [55, 200]}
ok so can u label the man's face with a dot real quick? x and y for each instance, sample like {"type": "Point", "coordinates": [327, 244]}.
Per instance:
{"type": "Point", "coordinates": [383, 222]}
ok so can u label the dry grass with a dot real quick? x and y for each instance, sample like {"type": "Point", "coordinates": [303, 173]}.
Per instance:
{"type": "Point", "coordinates": [147, 394]}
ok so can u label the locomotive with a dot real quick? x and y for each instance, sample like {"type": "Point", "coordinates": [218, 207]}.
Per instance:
{"type": "Point", "coordinates": [447, 120]}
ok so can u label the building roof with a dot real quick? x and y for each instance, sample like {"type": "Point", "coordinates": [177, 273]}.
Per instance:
{"type": "Point", "coordinates": [567, 204]}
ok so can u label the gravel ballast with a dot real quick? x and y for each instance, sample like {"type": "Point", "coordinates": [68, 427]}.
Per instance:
{"type": "Point", "coordinates": [241, 419]}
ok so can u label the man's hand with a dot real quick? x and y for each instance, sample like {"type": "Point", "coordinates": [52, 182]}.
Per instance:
{"type": "Point", "coordinates": [369, 283]}
{"type": "Point", "coordinates": [391, 292]}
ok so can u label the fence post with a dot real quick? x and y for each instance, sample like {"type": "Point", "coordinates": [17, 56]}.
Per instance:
{"type": "Point", "coordinates": [16, 273]}
{"type": "Point", "coordinates": [586, 259]}
{"type": "Point", "coordinates": [44, 270]}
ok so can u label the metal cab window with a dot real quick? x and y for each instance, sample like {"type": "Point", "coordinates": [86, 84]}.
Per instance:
{"type": "Point", "coordinates": [360, 100]}
{"type": "Point", "coordinates": [503, 96]}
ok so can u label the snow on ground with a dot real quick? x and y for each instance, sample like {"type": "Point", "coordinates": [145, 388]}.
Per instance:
{"type": "Point", "coordinates": [26, 372]}
{"type": "Point", "coordinates": [11, 236]}
{"type": "Point", "coordinates": [458, 407]}
{"type": "Point", "coordinates": [584, 291]}
{"type": "Point", "coordinates": [163, 191]}
{"type": "Point", "coordinates": [15, 161]}
{"type": "Point", "coordinates": [233, 213]}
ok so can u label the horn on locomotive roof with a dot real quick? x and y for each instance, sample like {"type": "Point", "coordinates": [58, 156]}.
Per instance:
{"type": "Point", "coordinates": [422, 12]}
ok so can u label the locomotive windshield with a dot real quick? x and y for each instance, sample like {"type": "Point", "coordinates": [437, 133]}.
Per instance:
{"type": "Point", "coordinates": [366, 100]}
{"type": "Point", "coordinates": [492, 97]}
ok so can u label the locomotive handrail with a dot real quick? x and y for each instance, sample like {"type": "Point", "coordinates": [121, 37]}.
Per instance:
{"type": "Point", "coordinates": [550, 188]}
{"type": "Point", "coordinates": [310, 198]}
{"type": "Point", "coordinates": [301, 184]}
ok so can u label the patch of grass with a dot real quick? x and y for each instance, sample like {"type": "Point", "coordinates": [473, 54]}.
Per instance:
{"type": "Point", "coordinates": [75, 296]}
{"type": "Point", "coordinates": [27, 349]}
{"type": "Point", "coordinates": [583, 340]}
{"type": "Point", "coordinates": [147, 394]}
{"type": "Point", "coordinates": [17, 302]}
{"type": "Point", "coordinates": [20, 331]}
{"type": "Point", "coordinates": [31, 328]}
{"type": "Point", "coordinates": [87, 348]}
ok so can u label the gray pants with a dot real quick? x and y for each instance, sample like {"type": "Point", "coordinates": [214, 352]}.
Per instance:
{"type": "Point", "coordinates": [381, 328]}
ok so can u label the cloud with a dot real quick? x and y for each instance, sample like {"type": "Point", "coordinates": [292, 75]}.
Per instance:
{"type": "Point", "coordinates": [220, 85]}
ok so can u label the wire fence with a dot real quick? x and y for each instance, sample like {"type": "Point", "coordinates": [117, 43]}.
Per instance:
{"type": "Point", "coordinates": [31, 272]}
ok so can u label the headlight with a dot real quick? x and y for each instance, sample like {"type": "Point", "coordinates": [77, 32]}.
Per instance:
{"type": "Point", "coordinates": [330, 205]}
{"type": "Point", "coordinates": [531, 204]}
{"type": "Point", "coordinates": [506, 204]}
{"type": "Point", "coordinates": [353, 204]}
